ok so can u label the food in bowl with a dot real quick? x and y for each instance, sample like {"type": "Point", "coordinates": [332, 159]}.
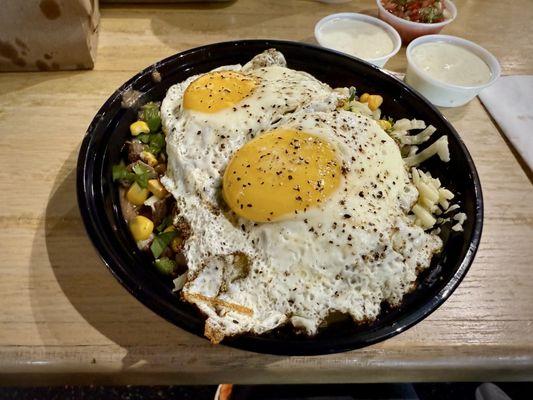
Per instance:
{"type": "Point", "coordinates": [146, 206]}
{"type": "Point", "coordinates": [358, 35]}
{"type": "Point", "coordinates": [415, 18]}
{"type": "Point", "coordinates": [291, 200]}
{"type": "Point", "coordinates": [423, 11]}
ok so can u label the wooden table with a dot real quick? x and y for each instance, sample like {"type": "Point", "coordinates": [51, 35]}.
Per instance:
{"type": "Point", "coordinates": [64, 318]}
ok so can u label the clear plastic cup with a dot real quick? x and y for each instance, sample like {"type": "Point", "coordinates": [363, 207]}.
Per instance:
{"type": "Point", "coordinates": [410, 30]}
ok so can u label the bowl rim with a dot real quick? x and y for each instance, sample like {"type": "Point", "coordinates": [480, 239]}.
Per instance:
{"type": "Point", "coordinates": [481, 52]}
{"type": "Point", "coordinates": [86, 196]}
{"type": "Point", "coordinates": [393, 33]}
{"type": "Point", "coordinates": [449, 4]}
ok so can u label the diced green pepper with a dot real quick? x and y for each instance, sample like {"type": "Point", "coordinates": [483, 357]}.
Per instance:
{"type": "Point", "coordinates": [121, 173]}
{"type": "Point", "coordinates": [144, 137]}
{"type": "Point", "coordinates": [164, 224]}
{"type": "Point", "coordinates": [165, 265]}
{"type": "Point", "coordinates": [352, 94]}
{"type": "Point", "coordinates": [157, 143]}
{"type": "Point", "coordinates": [161, 241]}
{"type": "Point", "coordinates": [152, 116]}
{"type": "Point", "coordinates": [142, 174]}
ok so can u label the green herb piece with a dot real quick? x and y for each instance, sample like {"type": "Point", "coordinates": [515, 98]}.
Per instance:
{"type": "Point", "coordinates": [161, 241]}
{"type": "Point", "coordinates": [157, 143]}
{"type": "Point", "coordinates": [434, 14]}
{"type": "Point", "coordinates": [144, 137]}
{"type": "Point", "coordinates": [352, 94]}
{"type": "Point", "coordinates": [164, 224]}
{"type": "Point", "coordinates": [121, 173]}
{"type": "Point", "coordinates": [165, 265]}
{"type": "Point", "coordinates": [151, 115]}
{"type": "Point", "coordinates": [142, 174]}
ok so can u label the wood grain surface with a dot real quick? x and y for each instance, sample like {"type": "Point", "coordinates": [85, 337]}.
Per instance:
{"type": "Point", "coordinates": [65, 319]}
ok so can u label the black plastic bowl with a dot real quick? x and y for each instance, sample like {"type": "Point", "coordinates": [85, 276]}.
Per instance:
{"type": "Point", "coordinates": [100, 209]}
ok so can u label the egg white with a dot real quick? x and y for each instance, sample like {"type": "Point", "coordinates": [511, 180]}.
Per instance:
{"type": "Point", "coordinates": [349, 255]}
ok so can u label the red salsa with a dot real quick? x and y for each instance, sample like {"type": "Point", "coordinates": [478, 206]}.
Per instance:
{"type": "Point", "coordinates": [424, 11]}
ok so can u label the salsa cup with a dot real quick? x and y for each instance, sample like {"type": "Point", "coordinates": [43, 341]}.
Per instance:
{"type": "Point", "coordinates": [410, 30]}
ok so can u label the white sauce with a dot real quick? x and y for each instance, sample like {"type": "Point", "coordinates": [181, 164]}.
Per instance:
{"type": "Point", "coordinates": [451, 64]}
{"type": "Point", "coordinates": [357, 38]}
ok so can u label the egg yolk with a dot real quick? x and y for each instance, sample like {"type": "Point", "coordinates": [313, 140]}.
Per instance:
{"type": "Point", "coordinates": [216, 91]}
{"type": "Point", "coordinates": [279, 174]}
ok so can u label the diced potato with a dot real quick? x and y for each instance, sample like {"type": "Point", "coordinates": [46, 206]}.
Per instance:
{"type": "Point", "coordinates": [141, 228]}
{"type": "Point", "coordinates": [157, 188]}
{"type": "Point", "coordinates": [148, 158]}
{"type": "Point", "coordinates": [137, 195]}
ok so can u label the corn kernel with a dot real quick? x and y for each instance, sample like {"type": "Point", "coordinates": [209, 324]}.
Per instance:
{"type": "Point", "coordinates": [385, 125]}
{"type": "Point", "coordinates": [364, 97]}
{"type": "Point", "coordinates": [374, 101]}
{"type": "Point", "coordinates": [141, 228]}
{"type": "Point", "coordinates": [156, 188]}
{"type": "Point", "coordinates": [148, 158]}
{"type": "Point", "coordinates": [137, 195]}
{"type": "Point", "coordinates": [139, 127]}
{"type": "Point", "coordinates": [176, 244]}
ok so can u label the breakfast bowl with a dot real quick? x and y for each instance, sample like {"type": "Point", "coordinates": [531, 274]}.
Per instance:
{"type": "Point", "coordinates": [410, 30]}
{"type": "Point", "coordinates": [443, 90]}
{"type": "Point", "coordinates": [353, 25]}
{"type": "Point", "coordinates": [100, 205]}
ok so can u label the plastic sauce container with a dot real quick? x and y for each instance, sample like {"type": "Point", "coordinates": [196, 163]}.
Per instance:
{"type": "Point", "coordinates": [358, 35]}
{"type": "Point", "coordinates": [449, 71]}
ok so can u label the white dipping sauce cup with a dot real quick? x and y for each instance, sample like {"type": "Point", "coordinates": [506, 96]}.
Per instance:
{"type": "Point", "coordinates": [441, 93]}
{"type": "Point", "coordinates": [395, 37]}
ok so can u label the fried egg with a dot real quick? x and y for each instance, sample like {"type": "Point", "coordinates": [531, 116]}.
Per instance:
{"type": "Point", "coordinates": [296, 210]}
{"type": "Point", "coordinates": [208, 117]}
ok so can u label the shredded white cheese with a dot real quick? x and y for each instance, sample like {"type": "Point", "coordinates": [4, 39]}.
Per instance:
{"type": "Point", "coordinates": [433, 199]}
{"type": "Point", "coordinates": [419, 138]}
{"type": "Point", "coordinates": [179, 282]}
{"type": "Point", "coordinates": [150, 202]}
{"type": "Point", "coordinates": [439, 147]}
{"type": "Point", "coordinates": [453, 208]}
{"type": "Point", "coordinates": [460, 218]}
{"type": "Point", "coordinates": [143, 244]}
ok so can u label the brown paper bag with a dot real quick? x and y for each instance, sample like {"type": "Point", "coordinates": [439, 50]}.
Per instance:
{"type": "Point", "coordinates": [42, 35]}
